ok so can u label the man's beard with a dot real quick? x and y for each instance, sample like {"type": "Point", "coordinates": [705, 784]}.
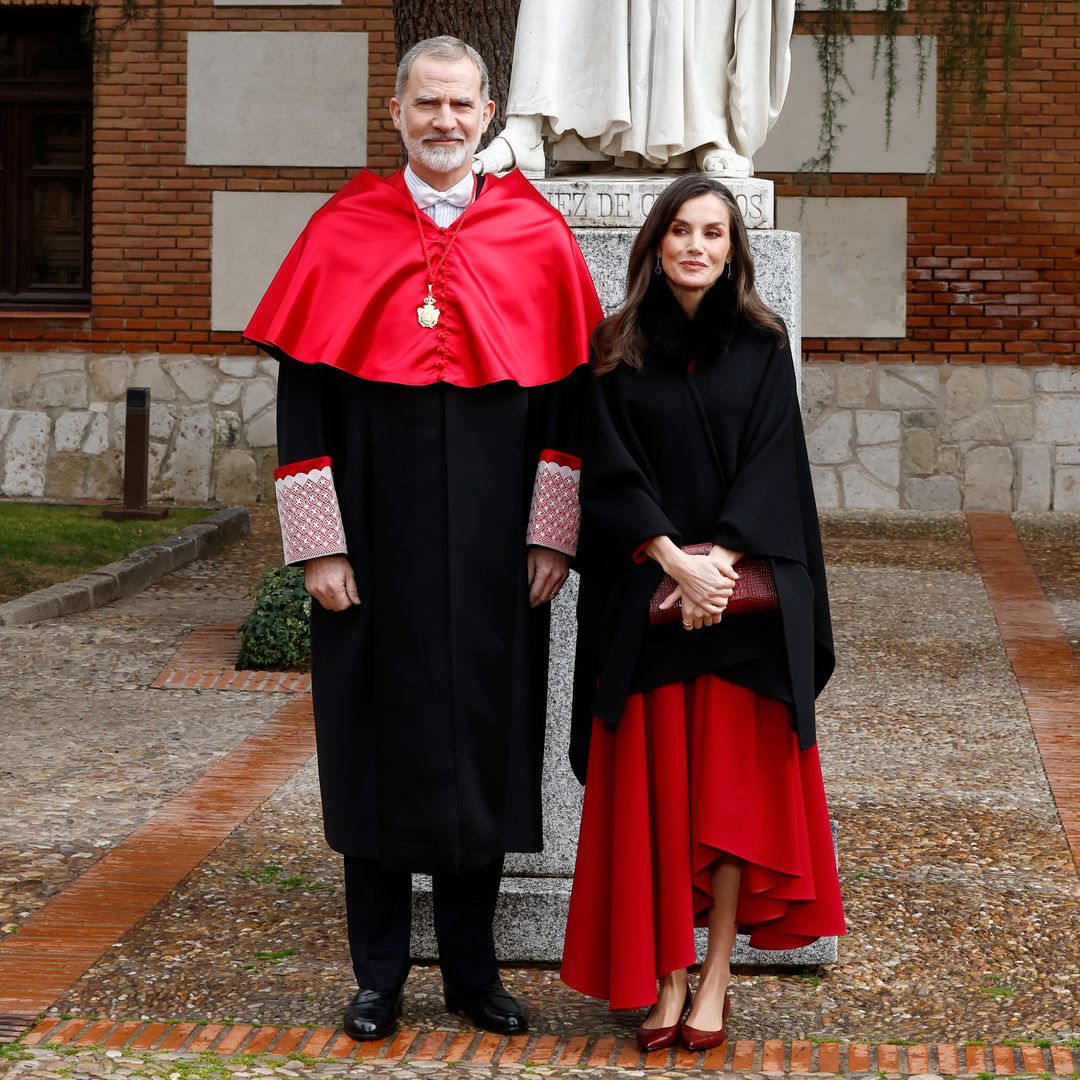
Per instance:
{"type": "Point", "coordinates": [440, 157]}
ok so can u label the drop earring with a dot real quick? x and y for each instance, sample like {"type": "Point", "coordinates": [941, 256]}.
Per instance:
{"type": "Point", "coordinates": [730, 273]}
{"type": "Point", "coordinates": [658, 269]}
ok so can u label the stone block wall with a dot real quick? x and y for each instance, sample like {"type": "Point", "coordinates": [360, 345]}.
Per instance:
{"type": "Point", "coordinates": [212, 426]}
{"type": "Point", "coordinates": [943, 437]}
{"type": "Point", "coordinates": [879, 436]}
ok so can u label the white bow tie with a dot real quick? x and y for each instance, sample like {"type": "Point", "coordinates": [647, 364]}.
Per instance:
{"type": "Point", "coordinates": [459, 195]}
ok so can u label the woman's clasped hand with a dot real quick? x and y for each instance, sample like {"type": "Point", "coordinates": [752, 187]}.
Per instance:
{"type": "Point", "coordinates": [704, 583]}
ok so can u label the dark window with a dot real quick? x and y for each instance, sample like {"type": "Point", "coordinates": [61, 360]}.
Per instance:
{"type": "Point", "coordinates": [45, 159]}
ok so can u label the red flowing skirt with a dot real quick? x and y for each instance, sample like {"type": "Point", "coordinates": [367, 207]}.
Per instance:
{"type": "Point", "coordinates": [692, 772]}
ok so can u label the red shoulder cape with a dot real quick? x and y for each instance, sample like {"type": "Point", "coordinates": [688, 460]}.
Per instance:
{"type": "Point", "coordinates": [516, 297]}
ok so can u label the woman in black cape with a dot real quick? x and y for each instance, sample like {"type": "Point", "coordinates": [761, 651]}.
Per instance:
{"type": "Point", "coordinates": [704, 804]}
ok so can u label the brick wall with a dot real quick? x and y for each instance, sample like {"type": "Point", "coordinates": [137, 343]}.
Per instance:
{"type": "Point", "coordinates": [977, 407]}
{"type": "Point", "coordinates": [993, 271]}
{"type": "Point", "coordinates": [151, 211]}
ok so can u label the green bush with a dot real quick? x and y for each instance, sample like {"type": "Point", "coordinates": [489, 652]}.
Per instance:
{"type": "Point", "coordinates": [276, 634]}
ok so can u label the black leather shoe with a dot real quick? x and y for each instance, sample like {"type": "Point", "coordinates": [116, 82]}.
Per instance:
{"type": "Point", "coordinates": [373, 1014]}
{"type": "Point", "coordinates": [489, 1007]}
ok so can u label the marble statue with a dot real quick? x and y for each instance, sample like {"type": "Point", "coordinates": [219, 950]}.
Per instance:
{"type": "Point", "coordinates": [645, 84]}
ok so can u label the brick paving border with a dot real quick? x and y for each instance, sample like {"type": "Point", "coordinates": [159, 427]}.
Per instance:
{"type": "Point", "coordinates": [207, 661]}
{"type": "Point", "coordinates": [773, 1056]}
{"type": "Point", "coordinates": [1041, 658]}
{"type": "Point", "coordinates": [62, 940]}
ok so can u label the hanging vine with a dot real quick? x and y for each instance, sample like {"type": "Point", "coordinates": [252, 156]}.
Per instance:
{"type": "Point", "coordinates": [129, 13]}
{"type": "Point", "coordinates": [924, 52]}
{"type": "Point", "coordinates": [1010, 36]}
{"type": "Point", "coordinates": [966, 31]}
{"type": "Point", "coordinates": [831, 45]}
{"type": "Point", "coordinates": [891, 19]}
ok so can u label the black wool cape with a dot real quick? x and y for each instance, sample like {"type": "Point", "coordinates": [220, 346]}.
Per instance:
{"type": "Point", "coordinates": [704, 443]}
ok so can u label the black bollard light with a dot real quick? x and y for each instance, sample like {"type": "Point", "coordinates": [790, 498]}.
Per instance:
{"type": "Point", "coordinates": [136, 460]}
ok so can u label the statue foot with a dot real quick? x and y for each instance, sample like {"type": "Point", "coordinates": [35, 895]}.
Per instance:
{"type": "Point", "coordinates": [502, 155]}
{"type": "Point", "coordinates": [718, 162]}
{"type": "Point", "coordinates": [496, 157]}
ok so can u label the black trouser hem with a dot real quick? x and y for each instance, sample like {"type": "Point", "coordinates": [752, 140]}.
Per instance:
{"type": "Point", "coordinates": [379, 917]}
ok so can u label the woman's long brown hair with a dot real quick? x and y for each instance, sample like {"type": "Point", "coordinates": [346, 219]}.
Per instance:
{"type": "Point", "coordinates": [618, 339]}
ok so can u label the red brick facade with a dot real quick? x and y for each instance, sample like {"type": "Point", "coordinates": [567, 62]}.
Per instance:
{"type": "Point", "coordinates": [992, 272]}
{"type": "Point", "coordinates": [151, 211]}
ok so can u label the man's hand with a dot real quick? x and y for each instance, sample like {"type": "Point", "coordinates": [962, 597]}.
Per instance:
{"type": "Point", "coordinates": [547, 572]}
{"type": "Point", "coordinates": [331, 581]}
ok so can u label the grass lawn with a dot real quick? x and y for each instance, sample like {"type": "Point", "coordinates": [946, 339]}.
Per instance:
{"type": "Point", "coordinates": [41, 545]}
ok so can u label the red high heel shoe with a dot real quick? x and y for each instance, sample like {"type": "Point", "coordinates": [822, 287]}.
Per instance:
{"type": "Point", "coordinates": [662, 1037]}
{"type": "Point", "coordinates": [694, 1039]}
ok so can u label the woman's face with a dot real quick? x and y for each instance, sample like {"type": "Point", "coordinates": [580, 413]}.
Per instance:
{"type": "Point", "coordinates": [696, 248]}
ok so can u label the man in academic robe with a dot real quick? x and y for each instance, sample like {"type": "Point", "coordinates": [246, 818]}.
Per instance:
{"type": "Point", "coordinates": [432, 332]}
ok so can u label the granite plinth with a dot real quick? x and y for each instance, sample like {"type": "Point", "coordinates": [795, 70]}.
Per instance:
{"type": "Point", "coordinates": [602, 200]}
{"type": "Point", "coordinates": [562, 793]}
{"type": "Point", "coordinates": [531, 918]}
{"type": "Point", "coordinates": [777, 266]}
{"type": "Point", "coordinates": [605, 214]}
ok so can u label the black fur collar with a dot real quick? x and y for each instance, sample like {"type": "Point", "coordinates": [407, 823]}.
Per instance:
{"type": "Point", "coordinates": [674, 337]}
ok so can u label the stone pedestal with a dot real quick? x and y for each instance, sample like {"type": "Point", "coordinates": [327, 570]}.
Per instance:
{"type": "Point", "coordinates": [605, 213]}
{"type": "Point", "coordinates": [776, 260]}
{"type": "Point", "coordinates": [614, 200]}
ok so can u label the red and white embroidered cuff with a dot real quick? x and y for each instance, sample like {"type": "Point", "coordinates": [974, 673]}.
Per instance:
{"type": "Point", "coordinates": [308, 510]}
{"type": "Point", "coordinates": [555, 516]}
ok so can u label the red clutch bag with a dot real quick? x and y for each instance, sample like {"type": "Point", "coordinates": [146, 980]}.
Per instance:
{"type": "Point", "coordinates": [755, 591]}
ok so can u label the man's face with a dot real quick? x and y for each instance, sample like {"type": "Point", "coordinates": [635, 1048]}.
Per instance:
{"type": "Point", "coordinates": [441, 117]}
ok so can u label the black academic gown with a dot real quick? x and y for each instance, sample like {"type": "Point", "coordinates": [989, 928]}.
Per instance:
{"type": "Point", "coordinates": [711, 450]}
{"type": "Point", "coordinates": [429, 697]}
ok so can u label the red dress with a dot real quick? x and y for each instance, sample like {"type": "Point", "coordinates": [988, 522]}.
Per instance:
{"type": "Point", "coordinates": [695, 770]}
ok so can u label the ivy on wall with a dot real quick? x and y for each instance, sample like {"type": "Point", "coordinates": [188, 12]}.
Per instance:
{"type": "Point", "coordinates": [128, 13]}
{"type": "Point", "coordinates": [966, 32]}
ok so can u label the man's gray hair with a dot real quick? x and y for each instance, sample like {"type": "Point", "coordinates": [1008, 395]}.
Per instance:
{"type": "Point", "coordinates": [442, 48]}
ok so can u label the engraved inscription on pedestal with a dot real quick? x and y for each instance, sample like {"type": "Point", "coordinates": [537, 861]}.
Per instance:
{"type": "Point", "coordinates": [602, 201]}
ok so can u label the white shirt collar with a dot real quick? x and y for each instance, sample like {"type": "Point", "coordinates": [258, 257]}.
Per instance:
{"type": "Point", "coordinates": [424, 195]}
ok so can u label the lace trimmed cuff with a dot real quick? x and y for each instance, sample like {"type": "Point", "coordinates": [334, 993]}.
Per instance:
{"type": "Point", "coordinates": [308, 510]}
{"type": "Point", "coordinates": [555, 516]}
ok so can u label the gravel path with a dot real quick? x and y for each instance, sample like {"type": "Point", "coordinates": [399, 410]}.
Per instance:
{"type": "Point", "coordinates": [88, 751]}
{"type": "Point", "coordinates": [961, 894]}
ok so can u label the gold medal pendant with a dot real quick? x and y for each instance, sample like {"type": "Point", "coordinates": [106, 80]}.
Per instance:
{"type": "Point", "coordinates": [428, 315]}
